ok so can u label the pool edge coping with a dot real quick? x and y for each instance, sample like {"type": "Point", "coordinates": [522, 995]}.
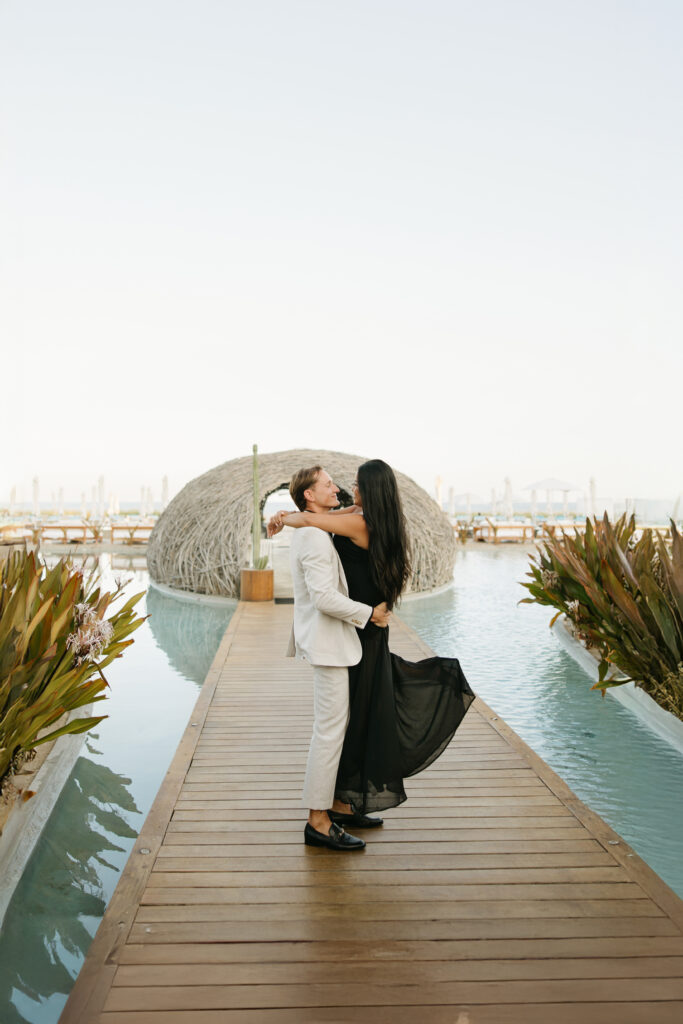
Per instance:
{"type": "Point", "coordinates": [27, 818]}
{"type": "Point", "coordinates": [662, 723]}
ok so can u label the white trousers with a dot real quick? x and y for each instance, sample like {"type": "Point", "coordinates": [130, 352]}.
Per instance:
{"type": "Point", "coordinates": [330, 718]}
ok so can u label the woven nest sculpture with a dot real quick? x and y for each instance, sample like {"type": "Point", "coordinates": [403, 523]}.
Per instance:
{"type": "Point", "coordinates": [203, 538]}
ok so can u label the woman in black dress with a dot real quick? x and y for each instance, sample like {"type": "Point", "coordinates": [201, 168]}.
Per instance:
{"type": "Point", "coordinates": [402, 714]}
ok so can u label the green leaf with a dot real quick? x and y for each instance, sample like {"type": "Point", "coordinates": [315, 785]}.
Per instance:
{"type": "Point", "coordinates": [78, 725]}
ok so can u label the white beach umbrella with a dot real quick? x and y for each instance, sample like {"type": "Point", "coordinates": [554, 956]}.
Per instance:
{"type": "Point", "coordinates": [36, 496]}
{"type": "Point", "coordinates": [550, 485]}
{"type": "Point", "coordinates": [508, 506]}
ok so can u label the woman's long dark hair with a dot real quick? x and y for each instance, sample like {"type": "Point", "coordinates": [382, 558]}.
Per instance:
{"type": "Point", "coordinates": [388, 542]}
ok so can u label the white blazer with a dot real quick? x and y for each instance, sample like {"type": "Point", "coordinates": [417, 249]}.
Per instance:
{"type": "Point", "coordinates": [325, 617]}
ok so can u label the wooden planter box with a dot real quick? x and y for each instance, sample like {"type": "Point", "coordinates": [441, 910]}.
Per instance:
{"type": "Point", "coordinates": [256, 585]}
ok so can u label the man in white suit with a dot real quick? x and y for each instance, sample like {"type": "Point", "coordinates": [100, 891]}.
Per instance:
{"type": "Point", "coordinates": [324, 634]}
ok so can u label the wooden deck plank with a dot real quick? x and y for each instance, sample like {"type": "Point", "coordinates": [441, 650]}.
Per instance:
{"type": "Point", "coordinates": [240, 790]}
{"type": "Point", "coordinates": [179, 997]}
{"type": "Point", "coordinates": [517, 804]}
{"type": "Point", "coordinates": [416, 874]}
{"type": "Point", "coordinates": [329, 914]}
{"type": "Point", "coordinates": [539, 1013]}
{"type": "Point", "coordinates": [464, 867]}
{"type": "Point", "coordinates": [492, 891]}
{"type": "Point", "coordinates": [491, 811]}
{"type": "Point", "coordinates": [185, 845]}
{"type": "Point", "coordinates": [449, 837]}
{"type": "Point", "coordinates": [309, 929]}
{"type": "Point", "coordinates": [367, 895]}
{"type": "Point", "coordinates": [423, 972]}
{"type": "Point", "coordinates": [401, 950]}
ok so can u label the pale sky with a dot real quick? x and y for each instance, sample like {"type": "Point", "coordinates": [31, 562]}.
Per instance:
{"type": "Point", "coordinates": [439, 232]}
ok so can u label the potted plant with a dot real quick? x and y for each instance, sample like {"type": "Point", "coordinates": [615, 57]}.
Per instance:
{"type": "Point", "coordinates": [256, 583]}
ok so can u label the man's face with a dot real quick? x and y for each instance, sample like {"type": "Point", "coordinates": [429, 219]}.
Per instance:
{"type": "Point", "coordinates": [323, 493]}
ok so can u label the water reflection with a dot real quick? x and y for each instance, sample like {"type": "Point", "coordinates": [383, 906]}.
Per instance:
{"type": "Point", "coordinates": [186, 631]}
{"type": "Point", "coordinates": [63, 891]}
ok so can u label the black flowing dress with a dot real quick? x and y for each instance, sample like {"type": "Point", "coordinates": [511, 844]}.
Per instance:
{"type": "Point", "coordinates": [403, 714]}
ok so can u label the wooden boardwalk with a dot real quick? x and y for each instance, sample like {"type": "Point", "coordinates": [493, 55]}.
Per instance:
{"type": "Point", "coordinates": [492, 896]}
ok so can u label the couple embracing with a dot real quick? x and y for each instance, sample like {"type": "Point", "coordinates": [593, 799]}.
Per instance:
{"type": "Point", "coordinates": [377, 718]}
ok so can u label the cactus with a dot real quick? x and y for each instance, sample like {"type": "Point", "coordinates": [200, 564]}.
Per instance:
{"type": "Point", "coordinates": [257, 561]}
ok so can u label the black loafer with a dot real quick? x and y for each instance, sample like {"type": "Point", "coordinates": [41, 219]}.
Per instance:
{"type": "Point", "coordinates": [336, 839]}
{"type": "Point", "coordinates": [356, 819]}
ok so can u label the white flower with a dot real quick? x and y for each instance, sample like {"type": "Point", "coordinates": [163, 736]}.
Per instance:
{"type": "Point", "coordinates": [573, 608]}
{"type": "Point", "coordinates": [106, 631]}
{"type": "Point", "coordinates": [84, 613]}
{"type": "Point", "coordinates": [90, 640]}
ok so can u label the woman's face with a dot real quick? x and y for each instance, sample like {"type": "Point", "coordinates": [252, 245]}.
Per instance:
{"type": "Point", "coordinates": [356, 494]}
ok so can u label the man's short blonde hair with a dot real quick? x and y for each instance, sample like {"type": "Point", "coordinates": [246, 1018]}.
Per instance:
{"type": "Point", "coordinates": [300, 482]}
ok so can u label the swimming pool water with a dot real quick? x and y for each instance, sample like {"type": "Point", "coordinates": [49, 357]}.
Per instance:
{"type": "Point", "coordinates": [614, 763]}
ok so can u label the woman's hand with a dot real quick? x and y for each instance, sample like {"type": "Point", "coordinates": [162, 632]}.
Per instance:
{"type": "Point", "coordinates": [276, 523]}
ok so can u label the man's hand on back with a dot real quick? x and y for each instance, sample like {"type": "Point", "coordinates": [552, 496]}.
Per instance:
{"type": "Point", "coordinates": [381, 615]}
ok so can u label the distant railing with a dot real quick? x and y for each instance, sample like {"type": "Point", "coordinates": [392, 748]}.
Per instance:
{"type": "Point", "coordinates": [132, 531]}
{"type": "Point", "coordinates": [496, 532]}
{"type": "Point", "coordinates": [66, 533]}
